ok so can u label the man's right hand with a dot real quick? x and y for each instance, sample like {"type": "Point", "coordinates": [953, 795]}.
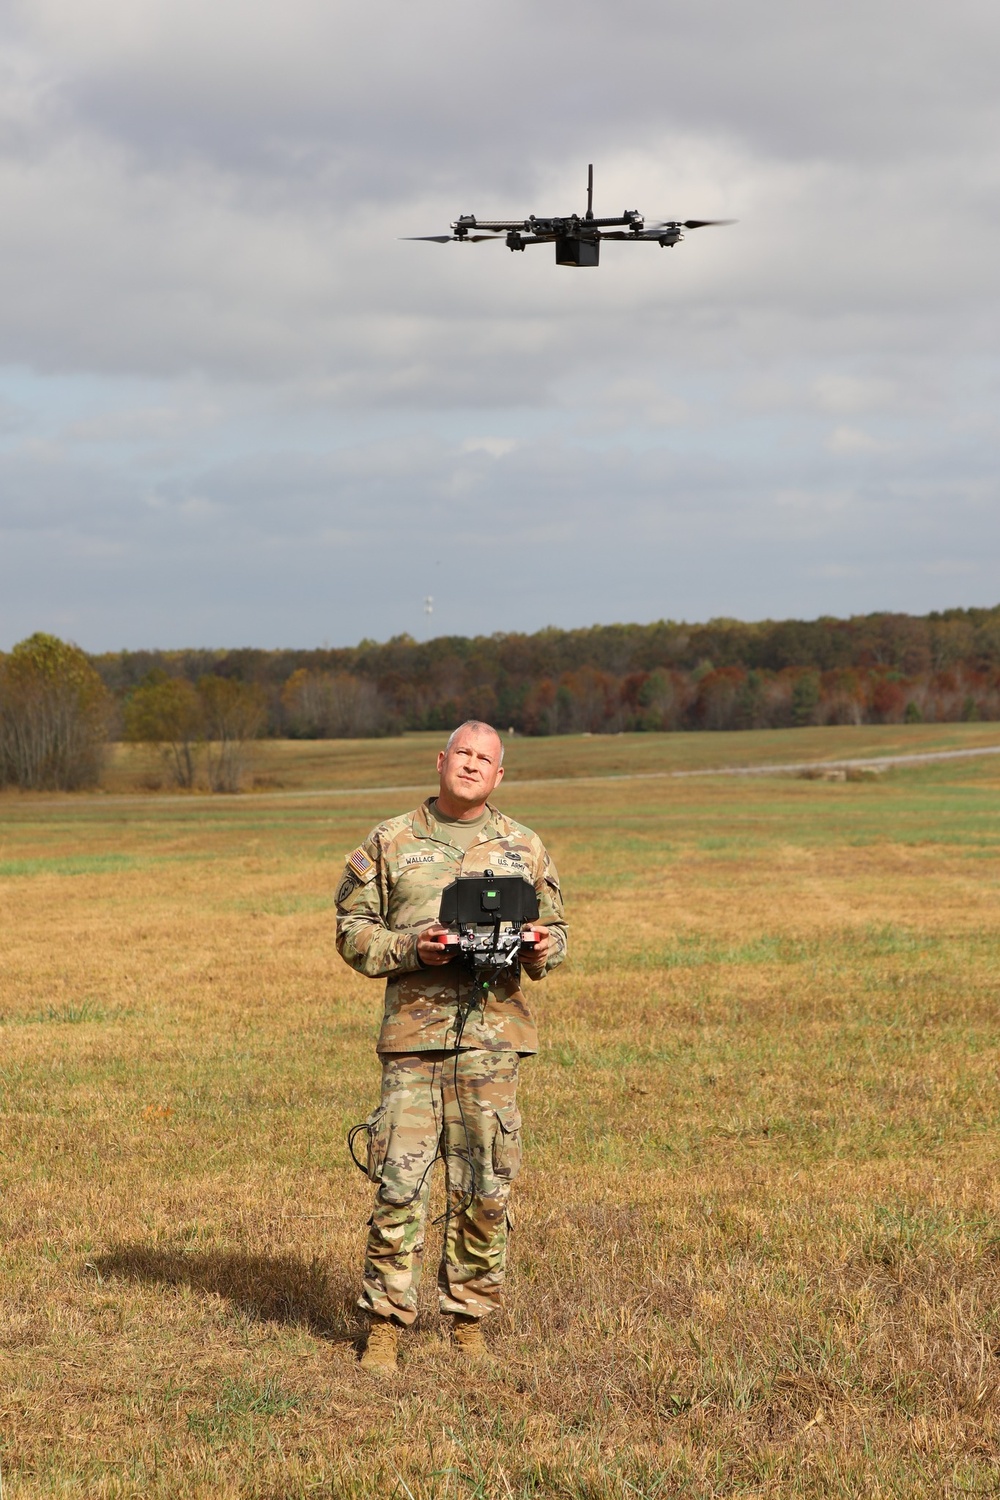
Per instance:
{"type": "Point", "coordinates": [430, 950]}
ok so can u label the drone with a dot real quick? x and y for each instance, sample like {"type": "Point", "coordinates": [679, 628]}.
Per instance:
{"type": "Point", "coordinates": [577, 240]}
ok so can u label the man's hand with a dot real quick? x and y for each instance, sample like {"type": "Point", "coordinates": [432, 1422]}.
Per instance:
{"type": "Point", "coordinates": [544, 943]}
{"type": "Point", "coordinates": [430, 950]}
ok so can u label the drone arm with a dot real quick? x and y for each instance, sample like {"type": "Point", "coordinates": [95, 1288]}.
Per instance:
{"type": "Point", "coordinates": [499, 225]}
{"type": "Point", "coordinates": [517, 241]}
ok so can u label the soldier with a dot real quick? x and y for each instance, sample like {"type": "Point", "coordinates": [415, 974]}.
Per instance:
{"type": "Point", "coordinates": [449, 1059]}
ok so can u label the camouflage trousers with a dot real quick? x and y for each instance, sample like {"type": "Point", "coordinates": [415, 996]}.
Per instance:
{"type": "Point", "coordinates": [460, 1107]}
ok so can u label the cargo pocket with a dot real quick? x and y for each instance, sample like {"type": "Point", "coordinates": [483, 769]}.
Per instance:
{"type": "Point", "coordinates": [507, 1143]}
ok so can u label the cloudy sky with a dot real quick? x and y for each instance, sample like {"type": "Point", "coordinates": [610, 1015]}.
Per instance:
{"type": "Point", "coordinates": [236, 408]}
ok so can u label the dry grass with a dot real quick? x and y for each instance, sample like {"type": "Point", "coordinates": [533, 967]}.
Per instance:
{"type": "Point", "coordinates": [305, 766]}
{"type": "Point", "coordinates": [757, 1243]}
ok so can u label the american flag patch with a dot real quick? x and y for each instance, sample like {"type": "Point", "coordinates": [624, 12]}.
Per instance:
{"type": "Point", "coordinates": [360, 864]}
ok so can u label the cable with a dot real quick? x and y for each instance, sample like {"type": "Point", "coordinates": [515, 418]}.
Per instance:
{"type": "Point", "coordinates": [352, 1136]}
{"type": "Point", "coordinates": [462, 1014]}
{"type": "Point", "coordinates": [364, 1126]}
{"type": "Point", "coordinates": [487, 974]}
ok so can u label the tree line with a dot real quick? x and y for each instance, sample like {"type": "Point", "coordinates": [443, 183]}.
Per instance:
{"type": "Point", "coordinates": [726, 674]}
{"type": "Point", "coordinates": [206, 707]}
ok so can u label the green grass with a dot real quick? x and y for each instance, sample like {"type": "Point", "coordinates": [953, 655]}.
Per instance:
{"type": "Point", "coordinates": [755, 1244]}
{"type": "Point", "coordinates": [84, 864]}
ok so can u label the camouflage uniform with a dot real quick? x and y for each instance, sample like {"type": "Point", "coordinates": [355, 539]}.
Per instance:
{"type": "Point", "coordinates": [447, 1089]}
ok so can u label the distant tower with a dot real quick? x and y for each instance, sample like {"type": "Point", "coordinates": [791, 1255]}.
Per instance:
{"type": "Point", "coordinates": [429, 605]}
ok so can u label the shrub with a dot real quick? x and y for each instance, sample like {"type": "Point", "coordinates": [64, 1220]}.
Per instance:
{"type": "Point", "coordinates": [54, 716]}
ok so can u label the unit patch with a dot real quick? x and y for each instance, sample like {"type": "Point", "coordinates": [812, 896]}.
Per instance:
{"type": "Point", "coordinates": [362, 866]}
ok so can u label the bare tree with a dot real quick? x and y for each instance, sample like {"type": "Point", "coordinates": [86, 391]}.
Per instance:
{"type": "Point", "coordinates": [333, 705]}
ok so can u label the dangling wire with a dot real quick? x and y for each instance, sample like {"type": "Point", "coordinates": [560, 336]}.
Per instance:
{"type": "Point", "coordinates": [463, 1013]}
{"type": "Point", "coordinates": [485, 975]}
{"type": "Point", "coordinates": [363, 1129]}
{"type": "Point", "coordinates": [463, 1010]}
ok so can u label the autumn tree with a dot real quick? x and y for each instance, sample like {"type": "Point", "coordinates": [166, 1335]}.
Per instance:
{"type": "Point", "coordinates": [333, 705]}
{"type": "Point", "coordinates": [888, 700]}
{"type": "Point", "coordinates": [750, 706]}
{"type": "Point", "coordinates": [167, 711]}
{"type": "Point", "coordinates": [235, 714]}
{"type": "Point", "coordinates": [54, 716]}
{"type": "Point", "coordinates": [588, 701]}
{"type": "Point", "coordinates": [540, 711]}
{"type": "Point", "coordinates": [659, 700]}
{"type": "Point", "coordinates": [805, 699]}
{"type": "Point", "coordinates": [718, 693]}
{"type": "Point", "coordinates": [841, 697]}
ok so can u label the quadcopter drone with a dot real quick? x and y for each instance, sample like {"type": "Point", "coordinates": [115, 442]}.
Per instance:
{"type": "Point", "coordinates": [577, 240]}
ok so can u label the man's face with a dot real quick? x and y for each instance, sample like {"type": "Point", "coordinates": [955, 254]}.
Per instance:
{"type": "Point", "coordinates": [471, 770]}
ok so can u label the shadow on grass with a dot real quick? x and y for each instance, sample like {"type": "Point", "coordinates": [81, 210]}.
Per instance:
{"type": "Point", "coordinates": [268, 1288]}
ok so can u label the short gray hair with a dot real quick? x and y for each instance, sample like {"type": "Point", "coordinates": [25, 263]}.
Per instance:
{"type": "Point", "coordinates": [474, 724]}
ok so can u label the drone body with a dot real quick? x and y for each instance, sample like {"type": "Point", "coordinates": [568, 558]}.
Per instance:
{"type": "Point", "coordinates": [577, 238]}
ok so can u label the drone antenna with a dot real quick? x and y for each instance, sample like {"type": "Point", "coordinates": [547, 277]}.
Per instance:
{"type": "Point", "coordinates": [590, 191]}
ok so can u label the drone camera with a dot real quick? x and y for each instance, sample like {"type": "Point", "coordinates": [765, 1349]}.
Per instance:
{"type": "Point", "coordinates": [571, 251]}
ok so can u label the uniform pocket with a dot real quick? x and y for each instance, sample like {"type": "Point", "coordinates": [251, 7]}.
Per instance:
{"type": "Point", "coordinates": [507, 1143]}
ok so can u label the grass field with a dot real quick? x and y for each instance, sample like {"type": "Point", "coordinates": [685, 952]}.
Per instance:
{"type": "Point", "coordinates": [757, 1243]}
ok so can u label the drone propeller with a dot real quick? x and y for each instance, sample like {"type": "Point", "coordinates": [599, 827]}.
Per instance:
{"type": "Point", "coordinates": [690, 223]}
{"type": "Point", "coordinates": [445, 239]}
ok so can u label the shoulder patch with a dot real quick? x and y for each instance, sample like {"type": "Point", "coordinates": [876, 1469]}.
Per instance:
{"type": "Point", "coordinates": [360, 864]}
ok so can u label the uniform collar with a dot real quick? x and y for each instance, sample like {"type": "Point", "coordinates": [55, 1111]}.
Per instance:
{"type": "Point", "coordinates": [425, 826]}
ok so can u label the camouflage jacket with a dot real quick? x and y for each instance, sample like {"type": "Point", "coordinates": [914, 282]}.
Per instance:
{"type": "Point", "coordinates": [391, 889]}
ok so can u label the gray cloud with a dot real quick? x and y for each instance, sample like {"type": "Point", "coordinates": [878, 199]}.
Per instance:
{"type": "Point", "coordinates": [225, 381]}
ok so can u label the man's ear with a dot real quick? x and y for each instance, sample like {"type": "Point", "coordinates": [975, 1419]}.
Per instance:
{"type": "Point", "coordinates": [440, 762]}
{"type": "Point", "coordinates": [499, 776]}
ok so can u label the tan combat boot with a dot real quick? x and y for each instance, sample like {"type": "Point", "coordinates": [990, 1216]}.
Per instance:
{"type": "Point", "coordinates": [467, 1338]}
{"type": "Point", "coordinates": [379, 1357]}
